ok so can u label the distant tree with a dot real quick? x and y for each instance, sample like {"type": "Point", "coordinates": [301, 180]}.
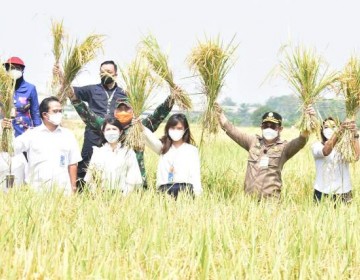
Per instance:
{"type": "Point", "coordinates": [258, 113]}
{"type": "Point", "coordinates": [228, 102]}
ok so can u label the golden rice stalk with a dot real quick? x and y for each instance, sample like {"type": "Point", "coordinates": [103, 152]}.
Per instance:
{"type": "Point", "coordinates": [138, 84]}
{"type": "Point", "coordinates": [77, 57]}
{"type": "Point", "coordinates": [7, 87]}
{"type": "Point", "coordinates": [211, 60]}
{"type": "Point", "coordinates": [350, 88]}
{"type": "Point", "coordinates": [58, 34]}
{"type": "Point", "coordinates": [158, 61]}
{"type": "Point", "coordinates": [309, 76]}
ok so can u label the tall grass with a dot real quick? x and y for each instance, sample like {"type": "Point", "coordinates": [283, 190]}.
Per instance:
{"type": "Point", "coordinates": [222, 235]}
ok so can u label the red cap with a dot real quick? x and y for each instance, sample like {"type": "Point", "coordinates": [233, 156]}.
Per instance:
{"type": "Point", "coordinates": [15, 60]}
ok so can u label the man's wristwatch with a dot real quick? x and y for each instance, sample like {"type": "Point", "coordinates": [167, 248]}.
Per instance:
{"type": "Point", "coordinates": [356, 136]}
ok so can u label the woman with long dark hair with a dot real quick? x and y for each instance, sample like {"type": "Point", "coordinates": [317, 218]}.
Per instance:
{"type": "Point", "coordinates": [179, 163]}
{"type": "Point", "coordinates": [332, 173]}
{"type": "Point", "coordinates": [113, 166]}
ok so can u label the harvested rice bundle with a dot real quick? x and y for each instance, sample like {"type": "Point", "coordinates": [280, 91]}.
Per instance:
{"type": "Point", "coordinates": [7, 87]}
{"type": "Point", "coordinates": [350, 88]}
{"type": "Point", "coordinates": [211, 60]}
{"type": "Point", "coordinates": [158, 61]}
{"type": "Point", "coordinates": [138, 84]}
{"type": "Point", "coordinates": [58, 34]}
{"type": "Point", "coordinates": [308, 76]}
{"type": "Point", "coordinates": [77, 57]}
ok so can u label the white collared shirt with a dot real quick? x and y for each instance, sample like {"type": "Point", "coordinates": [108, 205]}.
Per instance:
{"type": "Point", "coordinates": [332, 174]}
{"type": "Point", "coordinates": [117, 169]}
{"type": "Point", "coordinates": [49, 155]}
{"type": "Point", "coordinates": [184, 161]}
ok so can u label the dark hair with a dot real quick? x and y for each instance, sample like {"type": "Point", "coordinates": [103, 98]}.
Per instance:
{"type": "Point", "coordinates": [112, 121]}
{"type": "Point", "coordinates": [173, 121]}
{"type": "Point", "coordinates": [323, 138]}
{"type": "Point", "coordinates": [109, 62]}
{"type": "Point", "coordinates": [44, 105]}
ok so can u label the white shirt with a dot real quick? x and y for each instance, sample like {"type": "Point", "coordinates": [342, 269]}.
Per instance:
{"type": "Point", "coordinates": [184, 160]}
{"type": "Point", "coordinates": [18, 168]}
{"type": "Point", "coordinates": [117, 169]}
{"type": "Point", "coordinates": [49, 155]}
{"type": "Point", "coordinates": [332, 174]}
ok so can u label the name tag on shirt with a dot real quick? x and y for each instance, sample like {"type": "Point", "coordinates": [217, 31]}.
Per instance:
{"type": "Point", "coordinates": [264, 162]}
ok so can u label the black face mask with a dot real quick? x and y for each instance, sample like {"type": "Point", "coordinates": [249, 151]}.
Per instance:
{"type": "Point", "coordinates": [107, 80]}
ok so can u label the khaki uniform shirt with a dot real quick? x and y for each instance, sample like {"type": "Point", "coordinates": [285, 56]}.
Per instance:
{"type": "Point", "coordinates": [265, 162]}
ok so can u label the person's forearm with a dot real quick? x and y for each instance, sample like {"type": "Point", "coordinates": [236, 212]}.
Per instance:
{"type": "Point", "coordinates": [329, 145]}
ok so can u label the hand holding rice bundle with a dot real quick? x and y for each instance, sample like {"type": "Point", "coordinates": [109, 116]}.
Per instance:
{"type": "Point", "coordinates": [308, 76]}
{"type": "Point", "coordinates": [211, 61]}
{"type": "Point", "coordinates": [7, 87]}
{"type": "Point", "coordinates": [138, 85]}
{"type": "Point", "coordinates": [78, 55]}
{"type": "Point", "coordinates": [158, 62]}
{"type": "Point", "coordinates": [350, 88]}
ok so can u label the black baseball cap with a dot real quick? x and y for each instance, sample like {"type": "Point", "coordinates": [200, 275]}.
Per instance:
{"type": "Point", "coordinates": [272, 117]}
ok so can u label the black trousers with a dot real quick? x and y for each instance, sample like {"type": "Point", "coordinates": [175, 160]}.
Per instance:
{"type": "Point", "coordinates": [343, 197]}
{"type": "Point", "coordinates": [175, 188]}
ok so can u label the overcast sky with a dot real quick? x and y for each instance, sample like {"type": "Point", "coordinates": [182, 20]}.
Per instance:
{"type": "Point", "coordinates": [261, 27]}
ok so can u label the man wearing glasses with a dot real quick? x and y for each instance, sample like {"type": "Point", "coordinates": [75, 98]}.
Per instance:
{"type": "Point", "coordinates": [267, 153]}
{"type": "Point", "coordinates": [53, 152]}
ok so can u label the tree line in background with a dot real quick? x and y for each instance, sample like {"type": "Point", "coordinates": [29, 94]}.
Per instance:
{"type": "Point", "coordinates": [288, 106]}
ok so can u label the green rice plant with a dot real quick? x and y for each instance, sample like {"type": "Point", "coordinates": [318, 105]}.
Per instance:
{"type": "Point", "coordinates": [78, 55]}
{"type": "Point", "coordinates": [308, 76]}
{"type": "Point", "coordinates": [211, 60]}
{"type": "Point", "coordinates": [58, 34]}
{"type": "Point", "coordinates": [139, 83]}
{"type": "Point", "coordinates": [158, 61]}
{"type": "Point", "coordinates": [350, 88]}
{"type": "Point", "coordinates": [224, 234]}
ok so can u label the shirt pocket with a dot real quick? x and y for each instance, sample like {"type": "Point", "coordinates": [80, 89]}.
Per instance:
{"type": "Point", "coordinates": [274, 159]}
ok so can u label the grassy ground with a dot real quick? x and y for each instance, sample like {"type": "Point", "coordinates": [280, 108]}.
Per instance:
{"type": "Point", "coordinates": [222, 235]}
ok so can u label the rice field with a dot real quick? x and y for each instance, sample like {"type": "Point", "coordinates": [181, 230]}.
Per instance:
{"type": "Point", "coordinates": [222, 235]}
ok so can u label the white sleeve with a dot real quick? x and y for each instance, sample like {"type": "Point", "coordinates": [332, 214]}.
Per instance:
{"type": "Point", "coordinates": [133, 174]}
{"type": "Point", "coordinates": [92, 164]}
{"type": "Point", "coordinates": [74, 154]}
{"type": "Point", "coordinates": [317, 150]}
{"type": "Point", "coordinates": [195, 171]}
{"type": "Point", "coordinates": [22, 142]}
{"type": "Point", "coordinates": [151, 141]}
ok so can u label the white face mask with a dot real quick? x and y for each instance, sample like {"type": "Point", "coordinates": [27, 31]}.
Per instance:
{"type": "Point", "coordinates": [112, 136]}
{"type": "Point", "coordinates": [328, 132]}
{"type": "Point", "coordinates": [55, 118]}
{"type": "Point", "coordinates": [176, 134]}
{"type": "Point", "coordinates": [270, 134]}
{"type": "Point", "coordinates": [15, 74]}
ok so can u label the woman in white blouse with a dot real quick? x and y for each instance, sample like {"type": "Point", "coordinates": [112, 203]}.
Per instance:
{"type": "Point", "coordinates": [113, 166]}
{"type": "Point", "coordinates": [332, 173]}
{"type": "Point", "coordinates": [179, 163]}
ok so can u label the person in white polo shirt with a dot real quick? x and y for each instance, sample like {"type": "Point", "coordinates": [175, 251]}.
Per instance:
{"type": "Point", "coordinates": [53, 152]}
{"type": "Point", "coordinates": [332, 173]}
